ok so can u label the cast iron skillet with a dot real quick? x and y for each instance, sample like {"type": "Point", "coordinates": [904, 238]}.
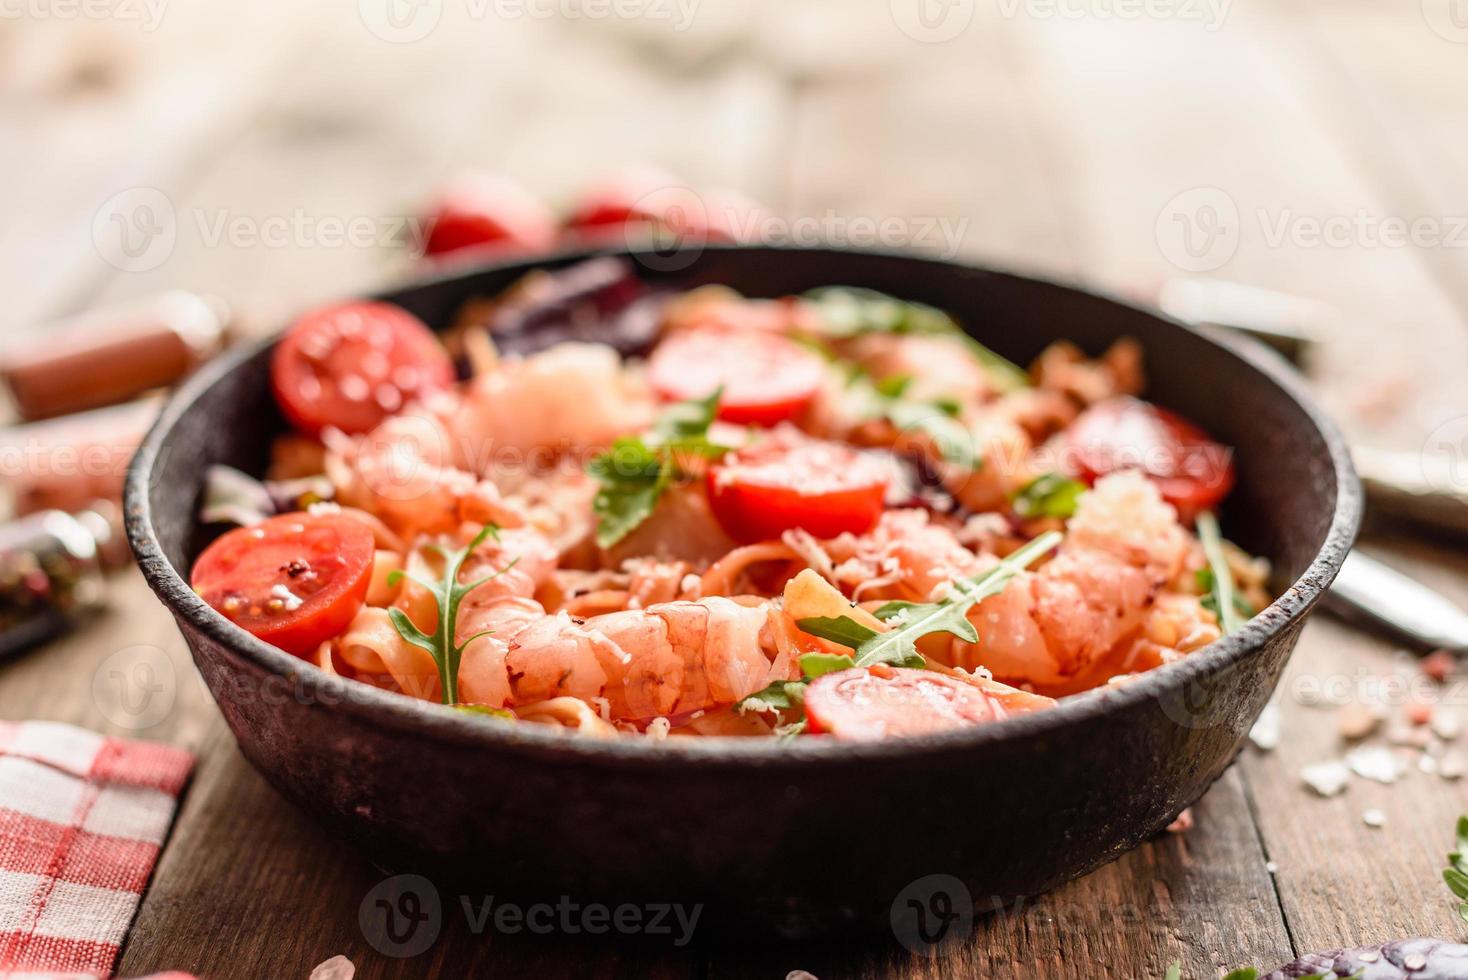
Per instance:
{"type": "Point", "coordinates": [800, 837]}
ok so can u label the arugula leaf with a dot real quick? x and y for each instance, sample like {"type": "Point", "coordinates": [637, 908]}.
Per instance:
{"type": "Point", "coordinates": [912, 621]}
{"type": "Point", "coordinates": [951, 437]}
{"type": "Point", "coordinates": [1048, 495]}
{"type": "Point", "coordinates": [838, 629]}
{"type": "Point", "coordinates": [848, 311]}
{"type": "Point", "coordinates": [1222, 594]}
{"type": "Point", "coordinates": [447, 593]}
{"type": "Point", "coordinates": [1455, 875]}
{"type": "Point", "coordinates": [813, 665]}
{"type": "Point", "coordinates": [1247, 973]}
{"type": "Point", "coordinates": [883, 399]}
{"type": "Point", "coordinates": [635, 472]}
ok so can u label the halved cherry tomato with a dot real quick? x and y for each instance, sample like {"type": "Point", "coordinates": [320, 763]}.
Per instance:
{"type": "Point", "coordinates": [641, 201]}
{"type": "Point", "coordinates": [293, 580]}
{"type": "Point", "coordinates": [624, 198]}
{"type": "Point", "coordinates": [1193, 472]}
{"type": "Point", "coordinates": [877, 702]}
{"type": "Point", "coordinates": [826, 488]}
{"type": "Point", "coordinates": [352, 365]}
{"type": "Point", "coordinates": [478, 210]}
{"type": "Point", "coordinates": [767, 378]}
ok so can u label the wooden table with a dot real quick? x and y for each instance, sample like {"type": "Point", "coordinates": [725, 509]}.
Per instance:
{"type": "Point", "coordinates": [1060, 135]}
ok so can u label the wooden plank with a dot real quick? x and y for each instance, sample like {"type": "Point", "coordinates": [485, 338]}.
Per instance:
{"type": "Point", "coordinates": [338, 144]}
{"type": "Point", "coordinates": [1341, 881]}
{"type": "Point", "coordinates": [94, 108]}
{"type": "Point", "coordinates": [1193, 899]}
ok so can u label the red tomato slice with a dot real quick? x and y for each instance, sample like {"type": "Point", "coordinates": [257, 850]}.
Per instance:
{"type": "Point", "coordinates": [477, 210]}
{"type": "Point", "coordinates": [767, 379]}
{"type": "Point", "coordinates": [878, 702]}
{"type": "Point", "coordinates": [1193, 472]}
{"type": "Point", "coordinates": [295, 580]}
{"type": "Point", "coordinates": [827, 488]}
{"type": "Point", "coordinates": [352, 365]}
{"type": "Point", "coordinates": [626, 197]}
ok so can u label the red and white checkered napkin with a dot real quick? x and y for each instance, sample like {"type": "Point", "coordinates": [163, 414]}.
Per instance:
{"type": "Point", "coordinates": [82, 817]}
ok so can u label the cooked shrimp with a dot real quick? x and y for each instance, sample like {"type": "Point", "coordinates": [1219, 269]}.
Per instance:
{"type": "Point", "coordinates": [1123, 544]}
{"type": "Point", "coordinates": [403, 472]}
{"type": "Point", "coordinates": [906, 556]}
{"type": "Point", "coordinates": [671, 658]}
{"type": "Point", "coordinates": [581, 398]}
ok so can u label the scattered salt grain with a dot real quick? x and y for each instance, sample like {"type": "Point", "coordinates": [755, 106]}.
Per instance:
{"type": "Point", "coordinates": [1419, 712]}
{"type": "Point", "coordinates": [336, 968]}
{"type": "Point", "coordinates": [1375, 762]}
{"type": "Point", "coordinates": [1271, 867]}
{"type": "Point", "coordinates": [1452, 766]}
{"type": "Point", "coordinates": [1326, 778]}
{"type": "Point", "coordinates": [1409, 735]}
{"type": "Point", "coordinates": [1265, 733]}
{"type": "Point", "coordinates": [1356, 721]}
{"type": "Point", "coordinates": [1446, 725]}
{"type": "Point", "coordinates": [1438, 665]}
{"type": "Point", "coordinates": [1374, 818]}
{"type": "Point", "coordinates": [1414, 962]}
{"type": "Point", "coordinates": [1427, 763]}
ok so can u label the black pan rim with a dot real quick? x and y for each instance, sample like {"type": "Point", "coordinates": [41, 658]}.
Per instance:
{"type": "Point", "coordinates": [383, 709]}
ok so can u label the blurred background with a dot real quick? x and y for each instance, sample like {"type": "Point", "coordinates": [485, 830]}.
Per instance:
{"type": "Point", "coordinates": [277, 153]}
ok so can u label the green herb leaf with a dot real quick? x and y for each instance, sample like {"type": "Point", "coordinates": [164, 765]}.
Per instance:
{"type": "Point", "coordinates": [951, 437]}
{"type": "Point", "coordinates": [847, 311]}
{"type": "Point", "coordinates": [1223, 594]}
{"type": "Point", "coordinates": [913, 621]}
{"type": "Point", "coordinates": [781, 695]}
{"type": "Point", "coordinates": [1050, 495]}
{"type": "Point", "coordinates": [1247, 973]}
{"type": "Point", "coordinates": [1174, 972]}
{"type": "Point", "coordinates": [448, 592]}
{"type": "Point", "coordinates": [814, 665]}
{"type": "Point", "coordinates": [838, 629]}
{"type": "Point", "coordinates": [1457, 882]}
{"type": "Point", "coordinates": [634, 473]}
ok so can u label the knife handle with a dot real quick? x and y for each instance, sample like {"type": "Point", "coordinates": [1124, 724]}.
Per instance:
{"type": "Point", "coordinates": [1367, 589]}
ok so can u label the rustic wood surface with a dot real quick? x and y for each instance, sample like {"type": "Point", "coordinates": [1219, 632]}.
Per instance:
{"type": "Point", "coordinates": [1058, 136]}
